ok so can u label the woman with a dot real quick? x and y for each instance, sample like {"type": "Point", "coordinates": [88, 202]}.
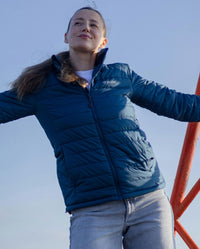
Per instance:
{"type": "Point", "coordinates": [106, 168]}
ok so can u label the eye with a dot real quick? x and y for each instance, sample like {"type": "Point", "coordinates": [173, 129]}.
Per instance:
{"type": "Point", "coordinates": [94, 25]}
{"type": "Point", "coordinates": [77, 23]}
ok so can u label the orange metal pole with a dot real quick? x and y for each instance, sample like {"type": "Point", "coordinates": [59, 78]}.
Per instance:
{"type": "Point", "coordinates": [188, 199]}
{"type": "Point", "coordinates": [179, 204]}
{"type": "Point", "coordinates": [185, 236]}
{"type": "Point", "coordinates": [185, 162]}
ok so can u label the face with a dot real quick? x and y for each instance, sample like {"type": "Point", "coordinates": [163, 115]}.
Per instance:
{"type": "Point", "coordinates": [86, 32]}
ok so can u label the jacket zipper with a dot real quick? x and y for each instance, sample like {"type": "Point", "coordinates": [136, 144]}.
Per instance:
{"type": "Point", "coordinates": [100, 133]}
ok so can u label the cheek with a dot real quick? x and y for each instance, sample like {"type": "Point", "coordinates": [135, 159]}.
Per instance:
{"type": "Point", "coordinates": [99, 35]}
{"type": "Point", "coordinates": [100, 39]}
{"type": "Point", "coordinates": [71, 37]}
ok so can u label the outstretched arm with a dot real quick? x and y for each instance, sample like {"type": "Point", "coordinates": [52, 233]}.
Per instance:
{"type": "Point", "coordinates": [11, 108]}
{"type": "Point", "coordinates": [164, 101]}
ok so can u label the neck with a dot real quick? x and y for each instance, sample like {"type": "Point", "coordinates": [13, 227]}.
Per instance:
{"type": "Point", "coordinates": [82, 61]}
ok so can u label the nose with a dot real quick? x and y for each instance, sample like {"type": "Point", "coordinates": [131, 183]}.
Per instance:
{"type": "Point", "coordinates": [86, 27]}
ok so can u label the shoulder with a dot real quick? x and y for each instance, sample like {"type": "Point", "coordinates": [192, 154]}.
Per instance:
{"type": "Point", "coordinates": [117, 69]}
{"type": "Point", "coordinates": [117, 66]}
{"type": "Point", "coordinates": [50, 80]}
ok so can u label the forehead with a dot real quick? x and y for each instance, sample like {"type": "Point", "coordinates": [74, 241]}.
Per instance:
{"type": "Point", "coordinates": [87, 15]}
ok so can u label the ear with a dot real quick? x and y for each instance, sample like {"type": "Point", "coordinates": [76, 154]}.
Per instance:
{"type": "Point", "coordinates": [66, 40]}
{"type": "Point", "coordinates": [103, 44]}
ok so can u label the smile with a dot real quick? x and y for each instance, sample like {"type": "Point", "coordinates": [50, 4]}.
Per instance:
{"type": "Point", "coordinates": [84, 36]}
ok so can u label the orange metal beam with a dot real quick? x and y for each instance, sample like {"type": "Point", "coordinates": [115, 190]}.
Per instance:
{"type": "Point", "coordinates": [188, 199]}
{"type": "Point", "coordinates": [186, 160]}
{"type": "Point", "coordinates": [178, 201]}
{"type": "Point", "coordinates": [185, 236]}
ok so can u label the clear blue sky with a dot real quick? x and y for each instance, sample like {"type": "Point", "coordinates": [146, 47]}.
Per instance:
{"type": "Point", "coordinates": [159, 39]}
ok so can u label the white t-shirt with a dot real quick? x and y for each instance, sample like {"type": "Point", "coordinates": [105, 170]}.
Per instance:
{"type": "Point", "coordinates": [87, 75]}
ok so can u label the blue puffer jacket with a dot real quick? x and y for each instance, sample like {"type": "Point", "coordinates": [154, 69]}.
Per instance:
{"type": "Point", "coordinates": [102, 154]}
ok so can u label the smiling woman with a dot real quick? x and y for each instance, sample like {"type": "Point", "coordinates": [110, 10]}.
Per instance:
{"type": "Point", "coordinates": [85, 35]}
{"type": "Point", "coordinates": [106, 168]}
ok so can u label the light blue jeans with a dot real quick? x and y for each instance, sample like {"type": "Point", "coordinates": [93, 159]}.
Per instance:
{"type": "Point", "coordinates": [144, 222]}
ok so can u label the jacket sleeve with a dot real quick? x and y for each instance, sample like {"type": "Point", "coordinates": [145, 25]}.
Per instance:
{"type": "Point", "coordinates": [11, 108]}
{"type": "Point", "coordinates": [164, 101]}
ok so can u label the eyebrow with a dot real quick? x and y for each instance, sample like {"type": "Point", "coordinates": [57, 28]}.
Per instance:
{"type": "Point", "coordinates": [82, 19]}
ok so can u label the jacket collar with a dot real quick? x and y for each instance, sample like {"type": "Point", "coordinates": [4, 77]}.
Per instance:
{"type": "Point", "coordinates": [101, 55]}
